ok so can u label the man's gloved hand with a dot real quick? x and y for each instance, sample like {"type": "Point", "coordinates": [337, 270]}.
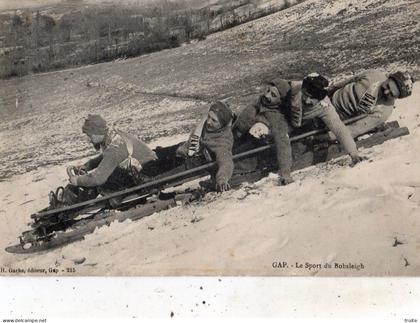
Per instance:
{"type": "Point", "coordinates": [222, 186]}
{"type": "Point", "coordinates": [285, 178]}
{"type": "Point", "coordinates": [259, 130]}
{"type": "Point", "coordinates": [356, 158]}
{"type": "Point", "coordinates": [81, 170]}
{"type": "Point", "coordinates": [76, 170]}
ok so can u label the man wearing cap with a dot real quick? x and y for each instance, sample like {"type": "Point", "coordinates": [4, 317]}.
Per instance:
{"type": "Point", "coordinates": [213, 138]}
{"type": "Point", "coordinates": [313, 103]}
{"type": "Point", "coordinates": [289, 104]}
{"type": "Point", "coordinates": [120, 152]}
{"type": "Point", "coordinates": [372, 93]}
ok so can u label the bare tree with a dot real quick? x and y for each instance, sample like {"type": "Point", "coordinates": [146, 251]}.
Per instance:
{"type": "Point", "coordinates": [49, 28]}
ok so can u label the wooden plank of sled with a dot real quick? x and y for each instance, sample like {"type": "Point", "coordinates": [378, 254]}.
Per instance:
{"type": "Point", "coordinates": [335, 150]}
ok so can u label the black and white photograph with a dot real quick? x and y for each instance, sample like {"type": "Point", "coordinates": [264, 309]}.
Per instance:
{"type": "Point", "coordinates": [210, 138]}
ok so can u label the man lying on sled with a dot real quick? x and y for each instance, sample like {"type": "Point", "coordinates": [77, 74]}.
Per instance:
{"type": "Point", "coordinates": [125, 161]}
{"type": "Point", "coordinates": [286, 106]}
{"type": "Point", "coordinates": [213, 139]}
{"type": "Point", "coordinates": [372, 93]}
{"type": "Point", "coordinates": [118, 166]}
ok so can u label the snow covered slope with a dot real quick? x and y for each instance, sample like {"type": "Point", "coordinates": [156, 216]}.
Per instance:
{"type": "Point", "coordinates": [165, 93]}
{"type": "Point", "coordinates": [331, 214]}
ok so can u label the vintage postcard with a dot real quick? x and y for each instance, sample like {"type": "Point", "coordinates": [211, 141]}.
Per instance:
{"type": "Point", "coordinates": [209, 138]}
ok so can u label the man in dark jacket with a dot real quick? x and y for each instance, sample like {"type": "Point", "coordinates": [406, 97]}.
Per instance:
{"type": "Point", "coordinates": [312, 99]}
{"type": "Point", "coordinates": [286, 105]}
{"type": "Point", "coordinates": [271, 114]}
{"type": "Point", "coordinates": [213, 138]}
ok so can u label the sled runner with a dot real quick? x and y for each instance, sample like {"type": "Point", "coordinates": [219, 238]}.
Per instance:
{"type": "Point", "coordinates": [58, 227]}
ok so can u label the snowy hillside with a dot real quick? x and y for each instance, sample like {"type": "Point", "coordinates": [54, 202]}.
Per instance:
{"type": "Point", "coordinates": [331, 214]}
{"type": "Point", "coordinates": [165, 93]}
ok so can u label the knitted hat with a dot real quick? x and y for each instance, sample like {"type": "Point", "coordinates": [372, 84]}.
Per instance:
{"type": "Point", "coordinates": [316, 85]}
{"type": "Point", "coordinates": [223, 112]}
{"type": "Point", "coordinates": [404, 83]}
{"type": "Point", "coordinates": [95, 125]}
{"type": "Point", "coordinates": [282, 86]}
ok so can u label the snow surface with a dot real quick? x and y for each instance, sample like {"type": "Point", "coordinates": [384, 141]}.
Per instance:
{"type": "Point", "coordinates": [331, 214]}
